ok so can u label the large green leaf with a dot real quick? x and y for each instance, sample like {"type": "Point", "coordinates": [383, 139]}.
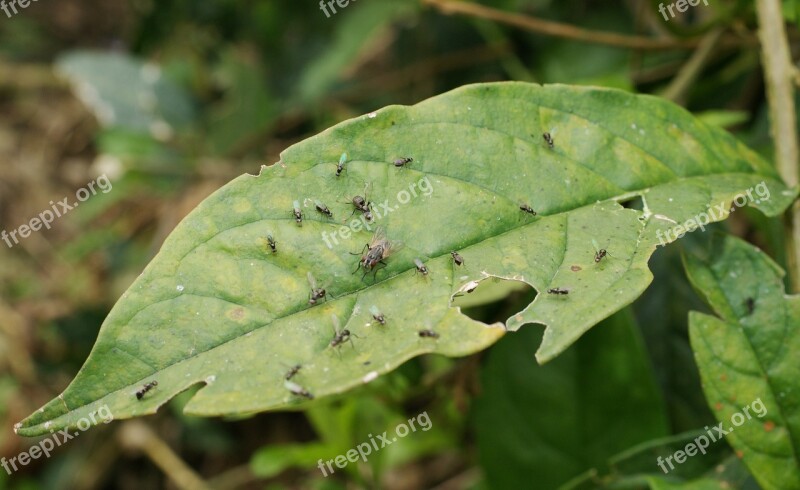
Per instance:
{"type": "Point", "coordinates": [749, 358]}
{"type": "Point", "coordinates": [216, 307]}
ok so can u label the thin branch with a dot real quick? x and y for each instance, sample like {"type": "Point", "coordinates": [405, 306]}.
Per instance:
{"type": "Point", "coordinates": [138, 436]}
{"type": "Point", "coordinates": [779, 78]}
{"type": "Point", "coordinates": [558, 29]}
{"type": "Point", "coordinates": [677, 89]}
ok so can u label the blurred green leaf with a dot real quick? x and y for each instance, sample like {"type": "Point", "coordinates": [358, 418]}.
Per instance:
{"type": "Point", "coordinates": [247, 108]}
{"type": "Point", "coordinates": [272, 460]}
{"type": "Point", "coordinates": [359, 28]}
{"type": "Point", "coordinates": [551, 423]}
{"type": "Point", "coordinates": [723, 119]}
{"type": "Point", "coordinates": [639, 466]}
{"type": "Point", "coordinates": [125, 92]}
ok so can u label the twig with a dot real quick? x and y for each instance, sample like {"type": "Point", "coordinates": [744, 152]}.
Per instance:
{"type": "Point", "coordinates": [778, 76]}
{"type": "Point", "coordinates": [676, 91]}
{"type": "Point", "coordinates": [558, 29]}
{"type": "Point", "coordinates": [138, 436]}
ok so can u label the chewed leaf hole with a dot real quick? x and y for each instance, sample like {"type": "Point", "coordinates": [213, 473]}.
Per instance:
{"type": "Point", "coordinates": [495, 299]}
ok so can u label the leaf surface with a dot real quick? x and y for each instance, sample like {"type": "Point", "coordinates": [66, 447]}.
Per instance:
{"type": "Point", "coordinates": [215, 306]}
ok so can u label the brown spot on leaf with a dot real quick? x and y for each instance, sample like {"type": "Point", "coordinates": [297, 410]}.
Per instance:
{"type": "Point", "coordinates": [575, 268]}
{"type": "Point", "coordinates": [723, 377]}
{"type": "Point", "coordinates": [769, 426]}
{"type": "Point", "coordinates": [739, 454]}
{"type": "Point", "coordinates": [718, 406]}
{"type": "Point", "coordinates": [236, 313]}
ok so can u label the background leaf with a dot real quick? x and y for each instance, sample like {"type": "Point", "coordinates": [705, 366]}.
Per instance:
{"type": "Point", "coordinates": [150, 103]}
{"type": "Point", "coordinates": [595, 400]}
{"type": "Point", "coordinates": [749, 353]}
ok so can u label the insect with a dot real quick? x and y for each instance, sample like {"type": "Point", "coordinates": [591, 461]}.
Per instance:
{"type": "Point", "coordinates": [751, 305]}
{"type": "Point", "coordinates": [297, 390]}
{"type": "Point", "coordinates": [291, 372]}
{"type": "Point", "coordinates": [599, 253]}
{"type": "Point", "coordinates": [339, 336]}
{"type": "Point", "coordinates": [316, 293]}
{"type": "Point", "coordinates": [272, 244]}
{"type": "Point", "coordinates": [340, 165]}
{"type": "Point", "coordinates": [527, 209]}
{"type": "Point", "coordinates": [402, 161]}
{"type": "Point", "coordinates": [377, 315]}
{"type": "Point", "coordinates": [548, 139]}
{"type": "Point", "coordinates": [362, 204]}
{"type": "Point", "coordinates": [144, 389]}
{"type": "Point", "coordinates": [562, 291]}
{"type": "Point", "coordinates": [429, 334]}
{"type": "Point", "coordinates": [298, 214]}
{"type": "Point", "coordinates": [378, 249]}
{"type": "Point", "coordinates": [421, 267]}
{"type": "Point", "coordinates": [459, 260]}
{"type": "Point", "coordinates": [323, 209]}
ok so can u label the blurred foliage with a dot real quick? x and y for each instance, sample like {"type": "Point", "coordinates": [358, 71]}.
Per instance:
{"type": "Point", "coordinates": [256, 76]}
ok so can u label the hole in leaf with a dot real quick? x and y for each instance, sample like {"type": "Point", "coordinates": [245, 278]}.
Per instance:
{"type": "Point", "coordinates": [495, 300]}
{"type": "Point", "coordinates": [634, 202]}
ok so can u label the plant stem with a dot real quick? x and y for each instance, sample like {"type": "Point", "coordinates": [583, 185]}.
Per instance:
{"type": "Point", "coordinates": [678, 88]}
{"type": "Point", "coordinates": [138, 436]}
{"type": "Point", "coordinates": [567, 31]}
{"type": "Point", "coordinates": [778, 76]}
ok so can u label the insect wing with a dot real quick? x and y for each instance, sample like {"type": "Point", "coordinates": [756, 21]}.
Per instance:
{"type": "Point", "coordinates": [311, 280]}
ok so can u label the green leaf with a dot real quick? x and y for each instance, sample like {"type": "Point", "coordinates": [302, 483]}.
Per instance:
{"type": "Point", "coordinates": [557, 421]}
{"type": "Point", "coordinates": [272, 460]}
{"type": "Point", "coordinates": [638, 467]}
{"type": "Point", "coordinates": [748, 357]}
{"type": "Point", "coordinates": [125, 92]}
{"type": "Point", "coordinates": [663, 312]}
{"type": "Point", "coordinates": [247, 108]}
{"type": "Point", "coordinates": [359, 28]}
{"type": "Point", "coordinates": [215, 306]}
{"type": "Point", "coordinates": [731, 474]}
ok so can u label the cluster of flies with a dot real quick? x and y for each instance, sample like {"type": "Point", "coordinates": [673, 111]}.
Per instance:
{"type": "Point", "coordinates": [372, 255]}
{"type": "Point", "coordinates": [359, 203]}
